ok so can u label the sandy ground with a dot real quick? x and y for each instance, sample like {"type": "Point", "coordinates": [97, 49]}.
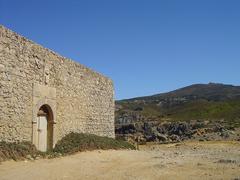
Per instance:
{"type": "Point", "coordinates": [192, 160]}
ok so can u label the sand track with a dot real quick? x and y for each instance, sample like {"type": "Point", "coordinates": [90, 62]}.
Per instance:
{"type": "Point", "coordinates": [192, 160]}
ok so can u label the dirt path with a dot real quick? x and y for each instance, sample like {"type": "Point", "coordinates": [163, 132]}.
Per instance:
{"type": "Point", "coordinates": [206, 160]}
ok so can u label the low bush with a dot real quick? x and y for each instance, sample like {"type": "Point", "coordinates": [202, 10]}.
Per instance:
{"type": "Point", "coordinates": [75, 142]}
{"type": "Point", "coordinates": [16, 151]}
{"type": "Point", "coordinates": [71, 143]}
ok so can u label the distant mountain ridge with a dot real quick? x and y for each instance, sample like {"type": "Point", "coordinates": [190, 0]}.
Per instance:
{"type": "Point", "coordinates": [211, 91]}
{"type": "Point", "coordinates": [211, 101]}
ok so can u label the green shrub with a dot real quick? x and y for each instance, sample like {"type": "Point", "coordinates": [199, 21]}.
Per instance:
{"type": "Point", "coordinates": [16, 151]}
{"type": "Point", "coordinates": [75, 142]}
{"type": "Point", "coordinates": [70, 144]}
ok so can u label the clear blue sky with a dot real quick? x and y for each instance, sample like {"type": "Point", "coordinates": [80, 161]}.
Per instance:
{"type": "Point", "coordinates": [146, 47]}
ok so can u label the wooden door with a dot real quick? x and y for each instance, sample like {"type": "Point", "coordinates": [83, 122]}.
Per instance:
{"type": "Point", "coordinates": [42, 133]}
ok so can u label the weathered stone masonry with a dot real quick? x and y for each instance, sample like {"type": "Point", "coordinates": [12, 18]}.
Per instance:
{"type": "Point", "coordinates": [31, 76]}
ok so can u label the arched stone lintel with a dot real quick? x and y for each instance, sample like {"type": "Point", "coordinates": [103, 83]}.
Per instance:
{"type": "Point", "coordinates": [39, 104]}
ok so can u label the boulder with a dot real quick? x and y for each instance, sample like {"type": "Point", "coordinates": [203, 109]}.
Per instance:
{"type": "Point", "coordinates": [161, 129]}
{"type": "Point", "coordinates": [225, 134]}
{"type": "Point", "coordinates": [160, 137]}
{"type": "Point", "coordinates": [180, 129]}
{"type": "Point", "coordinates": [175, 138]}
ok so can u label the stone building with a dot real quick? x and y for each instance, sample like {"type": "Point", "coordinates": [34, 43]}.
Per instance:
{"type": "Point", "coordinates": [44, 96]}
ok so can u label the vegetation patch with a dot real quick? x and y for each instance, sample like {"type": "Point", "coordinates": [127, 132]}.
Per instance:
{"type": "Point", "coordinates": [16, 151]}
{"type": "Point", "coordinates": [75, 142]}
{"type": "Point", "coordinates": [228, 110]}
{"type": "Point", "coordinates": [205, 102]}
{"type": "Point", "coordinates": [72, 143]}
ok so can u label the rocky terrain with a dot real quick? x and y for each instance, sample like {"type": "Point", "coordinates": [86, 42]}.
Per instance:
{"type": "Point", "coordinates": [169, 132]}
{"type": "Point", "coordinates": [189, 160]}
{"type": "Point", "coordinates": [199, 112]}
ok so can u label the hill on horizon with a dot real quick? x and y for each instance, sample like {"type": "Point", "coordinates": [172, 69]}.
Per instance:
{"type": "Point", "coordinates": [211, 101]}
{"type": "Point", "coordinates": [217, 91]}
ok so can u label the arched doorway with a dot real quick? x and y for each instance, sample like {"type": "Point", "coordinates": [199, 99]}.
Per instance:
{"type": "Point", "coordinates": [44, 126]}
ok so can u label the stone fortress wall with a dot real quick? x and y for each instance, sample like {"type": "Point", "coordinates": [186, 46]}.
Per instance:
{"type": "Point", "coordinates": [30, 76]}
